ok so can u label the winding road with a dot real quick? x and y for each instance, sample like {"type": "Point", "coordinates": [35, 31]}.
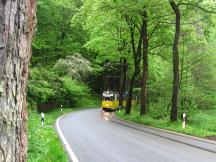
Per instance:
{"type": "Point", "coordinates": [94, 138]}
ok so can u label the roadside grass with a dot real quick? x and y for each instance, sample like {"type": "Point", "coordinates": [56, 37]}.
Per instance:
{"type": "Point", "coordinates": [89, 102]}
{"type": "Point", "coordinates": [202, 124]}
{"type": "Point", "coordinates": [44, 143]}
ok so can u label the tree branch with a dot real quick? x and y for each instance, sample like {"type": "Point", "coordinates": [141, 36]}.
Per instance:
{"type": "Point", "coordinates": [163, 57]}
{"type": "Point", "coordinates": [160, 45]}
{"type": "Point", "coordinates": [197, 6]}
{"type": "Point", "coordinates": [154, 29]}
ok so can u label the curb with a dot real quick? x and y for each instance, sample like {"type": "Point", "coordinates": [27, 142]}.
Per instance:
{"type": "Point", "coordinates": [197, 142]}
{"type": "Point", "coordinates": [69, 150]}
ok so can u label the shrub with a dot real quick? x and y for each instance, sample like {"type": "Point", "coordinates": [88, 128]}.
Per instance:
{"type": "Point", "coordinates": [73, 91]}
{"type": "Point", "coordinates": [41, 85]}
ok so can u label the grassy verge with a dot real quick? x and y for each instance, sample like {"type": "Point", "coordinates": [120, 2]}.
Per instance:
{"type": "Point", "coordinates": [44, 144]}
{"type": "Point", "coordinates": [202, 124]}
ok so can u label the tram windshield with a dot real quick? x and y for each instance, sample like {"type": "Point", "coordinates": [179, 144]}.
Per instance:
{"type": "Point", "coordinates": [107, 98]}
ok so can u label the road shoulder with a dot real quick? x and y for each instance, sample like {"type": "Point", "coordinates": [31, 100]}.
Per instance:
{"type": "Point", "coordinates": [200, 143]}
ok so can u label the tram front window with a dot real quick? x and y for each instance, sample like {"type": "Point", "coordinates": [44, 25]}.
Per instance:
{"type": "Point", "coordinates": [107, 98]}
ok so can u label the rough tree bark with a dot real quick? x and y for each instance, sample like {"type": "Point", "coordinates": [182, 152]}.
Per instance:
{"type": "Point", "coordinates": [174, 109]}
{"type": "Point", "coordinates": [143, 110]}
{"type": "Point", "coordinates": [17, 22]}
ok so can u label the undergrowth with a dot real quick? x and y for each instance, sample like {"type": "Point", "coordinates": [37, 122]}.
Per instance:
{"type": "Point", "coordinates": [44, 143]}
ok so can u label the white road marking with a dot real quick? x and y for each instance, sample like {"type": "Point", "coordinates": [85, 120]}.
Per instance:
{"type": "Point", "coordinates": [67, 146]}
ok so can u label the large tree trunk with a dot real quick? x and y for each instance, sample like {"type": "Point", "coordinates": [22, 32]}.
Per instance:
{"type": "Point", "coordinates": [17, 22]}
{"type": "Point", "coordinates": [143, 110]}
{"type": "Point", "coordinates": [122, 81]}
{"type": "Point", "coordinates": [174, 109]}
{"type": "Point", "coordinates": [130, 92]}
{"type": "Point", "coordinates": [137, 59]}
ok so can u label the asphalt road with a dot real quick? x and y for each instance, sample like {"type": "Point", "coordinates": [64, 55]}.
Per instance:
{"type": "Point", "coordinates": [94, 138]}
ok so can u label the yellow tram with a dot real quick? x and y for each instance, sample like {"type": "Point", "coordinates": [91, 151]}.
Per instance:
{"type": "Point", "coordinates": [110, 101]}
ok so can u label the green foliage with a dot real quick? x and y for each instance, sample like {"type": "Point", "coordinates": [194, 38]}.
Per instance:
{"type": "Point", "coordinates": [53, 28]}
{"type": "Point", "coordinates": [90, 101]}
{"type": "Point", "coordinates": [74, 91]}
{"type": "Point", "coordinates": [108, 23]}
{"type": "Point", "coordinates": [41, 85]}
{"type": "Point", "coordinates": [74, 88]}
{"type": "Point", "coordinates": [205, 120]}
{"type": "Point", "coordinates": [45, 86]}
{"type": "Point", "coordinates": [58, 52]}
{"type": "Point", "coordinates": [99, 31]}
{"type": "Point", "coordinates": [55, 36]}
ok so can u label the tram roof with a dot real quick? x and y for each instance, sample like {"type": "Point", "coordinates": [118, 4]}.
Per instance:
{"type": "Point", "coordinates": [109, 93]}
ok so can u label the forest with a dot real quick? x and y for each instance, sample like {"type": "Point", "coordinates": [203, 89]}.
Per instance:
{"type": "Point", "coordinates": [162, 52]}
{"type": "Point", "coordinates": [164, 49]}
{"type": "Point", "coordinates": [60, 56]}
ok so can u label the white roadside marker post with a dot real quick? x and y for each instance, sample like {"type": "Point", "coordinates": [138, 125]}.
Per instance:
{"type": "Point", "coordinates": [42, 118]}
{"type": "Point", "coordinates": [184, 120]}
{"type": "Point", "coordinates": [61, 107]}
{"type": "Point", "coordinates": [119, 108]}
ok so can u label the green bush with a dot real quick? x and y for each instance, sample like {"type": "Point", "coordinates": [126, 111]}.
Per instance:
{"type": "Point", "coordinates": [73, 91]}
{"type": "Point", "coordinates": [45, 86]}
{"type": "Point", "coordinates": [205, 120]}
{"type": "Point", "coordinates": [41, 85]}
{"type": "Point", "coordinates": [75, 88]}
